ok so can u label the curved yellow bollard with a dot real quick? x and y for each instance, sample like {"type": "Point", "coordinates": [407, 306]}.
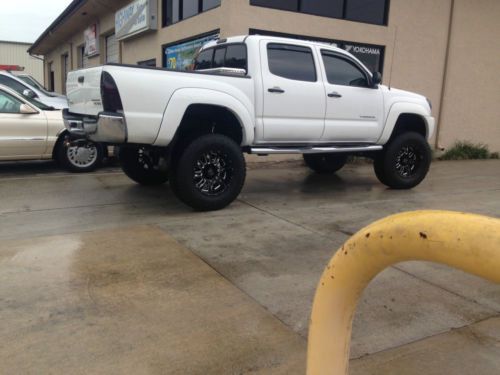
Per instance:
{"type": "Point", "coordinates": [465, 241]}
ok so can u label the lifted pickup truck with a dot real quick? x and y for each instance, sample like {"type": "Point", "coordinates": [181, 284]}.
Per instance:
{"type": "Point", "coordinates": [254, 94]}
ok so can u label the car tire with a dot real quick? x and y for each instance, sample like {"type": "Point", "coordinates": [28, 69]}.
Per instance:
{"type": "Point", "coordinates": [79, 156]}
{"type": "Point", "coordinates": [142, 165]}
{"type": "Point", "coordinates": [325, 163]}
{"type": "Point", "coordinates": [209, 173]}
{"type": "Point", "coordinates": [404, 162]}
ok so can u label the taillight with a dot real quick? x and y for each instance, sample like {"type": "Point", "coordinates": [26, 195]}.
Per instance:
{"type": "Point", "coordinates": [111, 100]}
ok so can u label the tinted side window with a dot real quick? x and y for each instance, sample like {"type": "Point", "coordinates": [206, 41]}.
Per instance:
{"type": "Point", "coordinates": [12, 83]}
{"type": "Point", "coordinates": [292, 62]}
{"type": "Point", "coordinates": [236, 56]}
{"type": "Point", "coordinates": [9, 104]}
{"type": "Point", "coordinates": [340, 71]}
{"type": "Point", "coordinates": [204, 59]}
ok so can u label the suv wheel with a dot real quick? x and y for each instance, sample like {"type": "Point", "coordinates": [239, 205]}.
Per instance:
{"type": "Point", "coordinates": [143, 165]}
{"type": "Point", "coordinates": [405, 161]}
{"type": "Point", "coordinates": [210, 173]}
{"type": "Point", "coordinates": [325, 163]}
{"type": "Point", "coordinates": [80, 156]}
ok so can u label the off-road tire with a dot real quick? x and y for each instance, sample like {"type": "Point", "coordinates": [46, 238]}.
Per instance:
{"type": "Point", "coordinates": [210, 173]}
{"type": "Point", "coordinates": [404, 162]}
{"type": "Point", "coordinates": [325, 163]}
{"type": "Point", "coordinates": [142, 167]}
{"type": "Point", "coordinates": [69, 155]}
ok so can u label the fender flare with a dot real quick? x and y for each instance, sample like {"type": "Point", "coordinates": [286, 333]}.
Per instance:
{"type": "Point", "coordinates": [398, 109]}
{"type": "Point", "coordinates": [183, 98]}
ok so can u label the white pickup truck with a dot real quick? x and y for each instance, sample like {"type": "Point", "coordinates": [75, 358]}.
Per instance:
{"type": "Point", "coordinates": [254, 94]}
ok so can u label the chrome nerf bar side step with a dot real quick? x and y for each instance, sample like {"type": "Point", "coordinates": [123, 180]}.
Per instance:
{"type": "Point", "coordinates": [313, 150]}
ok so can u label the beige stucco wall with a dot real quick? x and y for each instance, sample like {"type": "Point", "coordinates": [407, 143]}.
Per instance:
{"type": "Point", "coordinates": [106, 26]}
{"type": "Point", "coordinates": [471, 102]}
{"type": "Point", "coordinates": [415, 43]}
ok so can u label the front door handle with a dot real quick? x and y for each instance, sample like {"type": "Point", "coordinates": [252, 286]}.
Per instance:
{"type": "Point", "coordinates": [81, 79]}
{"type": "Point", "coordinates": [276, 90]}
{"type": "Point", "coordinates": [334, 95]}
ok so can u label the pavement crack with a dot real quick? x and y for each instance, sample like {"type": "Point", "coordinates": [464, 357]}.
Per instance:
{"type": "Point", "coordinates": [445, 289]}
{"type": "Point", "coordinates": [322, 235]}
{"type": "Point", "coordinates": [437, 334]}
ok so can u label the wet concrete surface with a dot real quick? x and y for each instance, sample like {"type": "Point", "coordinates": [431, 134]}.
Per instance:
{"type": "Point", "coordinates": [274, 241]}
{"type": "Point", "coordinates": [134, 301]}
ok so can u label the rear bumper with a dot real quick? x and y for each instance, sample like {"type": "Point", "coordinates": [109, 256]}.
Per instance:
{"type": "Point", "coordinates": [106, 127]}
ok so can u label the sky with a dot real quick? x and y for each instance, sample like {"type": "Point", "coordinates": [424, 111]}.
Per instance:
{"type": "Point", "coordinates": [26, 20]}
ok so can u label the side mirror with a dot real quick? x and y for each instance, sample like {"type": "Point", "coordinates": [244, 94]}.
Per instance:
{"type": "Point", "coordinates": [30, 94]}
{"type": "Point", "coordinates": [376, 79]}
{"type": "Point", "coordinates": [25, 109]}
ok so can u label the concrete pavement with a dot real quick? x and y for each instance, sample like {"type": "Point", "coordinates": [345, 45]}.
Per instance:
{"type": "Point", "coordinates": [272, 244]}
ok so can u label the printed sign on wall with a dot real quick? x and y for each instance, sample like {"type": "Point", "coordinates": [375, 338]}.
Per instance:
{"type": "Point", "coordinates": [91, 37]}
{"type": "Point", "coordinates": [135, 18]}
{"type": "Point", "coordinates": [369, 55]}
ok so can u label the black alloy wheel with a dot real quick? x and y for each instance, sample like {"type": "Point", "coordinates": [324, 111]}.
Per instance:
{"type": "Point", "coordinates": [210, 173]}
{"type": "Point", "coordinates": [404, 162]}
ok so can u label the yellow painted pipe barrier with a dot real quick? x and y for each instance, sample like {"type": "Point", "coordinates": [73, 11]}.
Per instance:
{"type": "Point", "coordinates": [464, 241]}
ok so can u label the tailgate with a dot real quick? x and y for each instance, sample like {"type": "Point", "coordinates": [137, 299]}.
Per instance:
{"type": "Point", "coordinates": [83, 88]}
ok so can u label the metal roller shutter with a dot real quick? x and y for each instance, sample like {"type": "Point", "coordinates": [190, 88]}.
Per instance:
{"type": "Point", "coordinates": [112, 49]}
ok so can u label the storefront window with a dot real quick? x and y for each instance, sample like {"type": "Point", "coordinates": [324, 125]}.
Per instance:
{"type": "Point", "coordinates": [209, 4]}
{"type": "Point", "coordinates": [178, 10]}
{"type": "Point", "coordinates": [189, 8]}
{"type": "Point", "coordinates": [331, 8]}
{"type": "Point", "coordinates": [180, 56]}
{"type": "Point", "coordinates": [277, 4]}
{"type": "Point", "coordinates": [369, 11]}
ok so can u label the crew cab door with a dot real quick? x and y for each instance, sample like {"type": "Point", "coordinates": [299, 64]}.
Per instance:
{"type": "Point", "coordinates": [293, 95]}
{"type": "Point", "coordinates": [22, 136]}
{"type": "Point", "coordinates": [354, 109]}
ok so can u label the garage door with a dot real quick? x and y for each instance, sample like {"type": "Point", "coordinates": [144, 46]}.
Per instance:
{"type": "Point", "coordinates": [112, 50]}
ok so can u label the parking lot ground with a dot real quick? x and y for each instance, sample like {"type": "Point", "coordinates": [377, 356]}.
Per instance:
{"type": "Point", "coordinates": [271, 245]}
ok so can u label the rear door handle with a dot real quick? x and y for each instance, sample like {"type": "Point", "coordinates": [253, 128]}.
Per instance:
{"type": "Point", "coordinates": [334, 95]}
{"type": "Point", "coordinates": [276, 90]}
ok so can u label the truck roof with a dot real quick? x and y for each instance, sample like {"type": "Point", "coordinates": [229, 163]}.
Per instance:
{"type": "Point", "coordinates": [243, 38]}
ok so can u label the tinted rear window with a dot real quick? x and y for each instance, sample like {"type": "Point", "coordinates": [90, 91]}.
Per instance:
{"type": "Point", "coordinates": [230, 56]}
{"type": "Point", "coordinates": [292, 62]}
{"type": "Point", "coordinates": [219, 55]}
{"type": "Point", "coordinates": [204, 59]}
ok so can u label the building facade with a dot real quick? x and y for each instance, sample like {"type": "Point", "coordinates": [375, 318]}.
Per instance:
{"type": "Point", "coordinates": [16, 53]}
{"type": "Point", "coordinates": [443, 49]}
